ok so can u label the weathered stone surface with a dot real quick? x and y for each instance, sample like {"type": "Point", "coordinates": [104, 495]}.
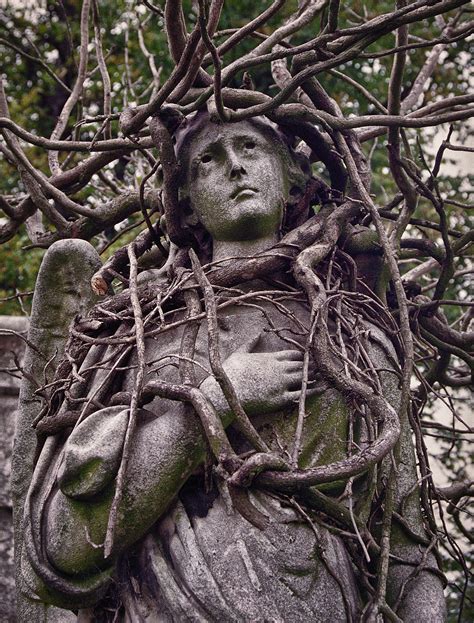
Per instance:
{"type": "Point", "coordinates": [62, 291]}
{"type": "Point", "coordinates": [11, 346]}
{"type": "Point", "coordinates": [187, 544]}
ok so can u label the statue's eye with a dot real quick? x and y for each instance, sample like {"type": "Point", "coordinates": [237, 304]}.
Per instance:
{"type": "Point", "coordinates": [249, 145]}
{"type": "Point", "coordinates": [206, 158]}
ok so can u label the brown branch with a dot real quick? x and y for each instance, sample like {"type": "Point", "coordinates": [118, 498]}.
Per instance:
{"type": "Point", "coordinates": [241, 419]}
{"type": "Point", "coordinates": [203, 24]}
{"type": "Point", "coordinates": [419, 223]}
{"type": "Point", "coordinates": [74, 146]}
{"type": "Point", "coordinates": [212, 425]}
{"type": "Point", "coordinates": [36, 59]}
{"type": "Point", "coordinates": [101, 280]}
{"type": "Point", "coordinates": [248, 29]}
{"type": "Point", "coordinates": [77, 89]}
{"type": "Point", "coordinates": [292, 25]}
{"type": "Point", "coordinates": [170, 166]}
{"type": "Point", "coordinates": [175, 28]}
{"type": "Point", "coordinates": [155, 9]}
{"type": "Point", "coordinates": [395, 274]}
{"type": "Point", "coordinates": [107, 107]}
{"type": "Point", "coordinates": [304, 387]}
{"type": "Point", "coordinates": [327, 224]}
{"type": "Point", "coordinates": [455, 492]}
{"type": "Point", "coordinates": [188, 341]}
{"type": "Point", "coordinates": [177, 36]}
{"type": "Point", "coordinates": [136, 118]}
{"type": "Point", "coordinates": [194, 68]}
{"type": "Point", "coordinates": [136, 394]}
{"type": "Point", "coordinates": [348, 48]}
{"type": "Point", "coordinates": [448, 347]}
{"type": "Point", "coordinates": [465, 148]}
{"type": "Point", "coordinates": [394, 108]}
{"type": "Point", "coordinates": [333, 15]}
{"type": "Point", "coordinates": [438, 326]}
{"type": "Point", "coordinates": [48, 188]}
{"type": "Point", "coordinates": [448, 262]}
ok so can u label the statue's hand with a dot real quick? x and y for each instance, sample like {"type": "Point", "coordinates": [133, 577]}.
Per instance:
{"type": "Point", "coordinates": [265, 382]}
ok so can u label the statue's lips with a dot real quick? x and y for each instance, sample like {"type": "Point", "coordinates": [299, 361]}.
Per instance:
{"type": "Point", "coordinates": [244, 193]}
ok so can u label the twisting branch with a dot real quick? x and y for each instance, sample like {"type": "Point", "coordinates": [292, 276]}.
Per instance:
{"type": "Point", "coordinates": [53, 192]}
{"type": "Point", "coordinates": [249, 28]}
{"type": "Point", "coordinates": [426, 71]}
{"type": "Point", "coordinates": [394, 107]}
{"type": "Point", "coordinates": [136, 395]}
{"type": "Point", "coordinates": [188, 341]}
{"type": "Point", "coordinates": [304, 387]}
{"type": "Point", "coordinates": [103, 69]}
{"type": "Point", "coordinates": [203, 24]}
{"type": "Point", "coordinates": [170, 166]}
{"type": "Point", "coordinates": [133, 120]}
{"type": "Point", "coordinates": [295, 23]}
{"type": "Point", "coordinates": [447, 264]}
{"type": "Point", "coordinates": [194, 69]}
{"type": "Point", "coordinates": [101, 280]}
{"type": "Point", "coordinates": [73, 98]}
{"type": "Point", "coordinates": [241, 419]}
{"type": "Point", "coordinates": [36, 59]}
{"type": "Point", "coordinates": [394, 271]}
{"type": "Point", "coordinates": [177, 37]}
{"type": "Point", "coordinates": [17, 157]}
{"type": "Point", "coordinates": [333, 14]}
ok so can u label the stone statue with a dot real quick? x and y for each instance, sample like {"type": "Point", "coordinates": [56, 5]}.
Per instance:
{"type": "Point", "coordinates": [201, 531]}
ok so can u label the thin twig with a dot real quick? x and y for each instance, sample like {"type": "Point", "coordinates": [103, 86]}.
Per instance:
{"type": "Point", "coordinates": [136, 395]}
{"type": "Point", "coordinates": [241, 419]}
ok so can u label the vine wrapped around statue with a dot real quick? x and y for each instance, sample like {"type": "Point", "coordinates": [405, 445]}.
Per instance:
{"type": "Point", "coordinates": [217, 441]}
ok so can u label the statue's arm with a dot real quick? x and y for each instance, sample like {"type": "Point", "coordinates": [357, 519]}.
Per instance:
{"type": "Point", "coordinates": [62, 292]}
{"type": "Point", "coordinates": [166, 450]}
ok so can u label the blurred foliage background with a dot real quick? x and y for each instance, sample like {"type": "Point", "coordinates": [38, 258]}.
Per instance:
{"type": "Point", "coordinates": [36, 43]}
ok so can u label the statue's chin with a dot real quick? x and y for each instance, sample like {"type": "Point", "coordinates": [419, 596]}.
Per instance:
{"type": "Point", "coordinates": [250, 229]}
{"type": "Point", "coordinates": [250, 222]}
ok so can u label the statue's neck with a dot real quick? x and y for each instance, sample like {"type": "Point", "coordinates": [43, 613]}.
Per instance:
{"type": "Point", "coordinates": [224, 249]}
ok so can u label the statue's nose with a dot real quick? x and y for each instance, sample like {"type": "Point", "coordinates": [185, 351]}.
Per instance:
{"type": "Point", "coordinates": [237, 171]}
{"type": "Point", "coordinates": [236, 167]}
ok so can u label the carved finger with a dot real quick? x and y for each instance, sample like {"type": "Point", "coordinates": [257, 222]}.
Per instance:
{"type": "Point", "coordinates": [289, 355]}
{"type": "Point", "coordinates": [292, 395]}
{"type": "Point", "coordinates": [293, 382]}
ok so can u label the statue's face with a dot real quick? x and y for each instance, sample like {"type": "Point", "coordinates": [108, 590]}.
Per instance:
{"type": "Point", "coordinates": [236, 182]}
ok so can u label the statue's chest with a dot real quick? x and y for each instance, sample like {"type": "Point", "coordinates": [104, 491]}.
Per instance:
{"type": "Point", "coordinates": [256, 326]}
